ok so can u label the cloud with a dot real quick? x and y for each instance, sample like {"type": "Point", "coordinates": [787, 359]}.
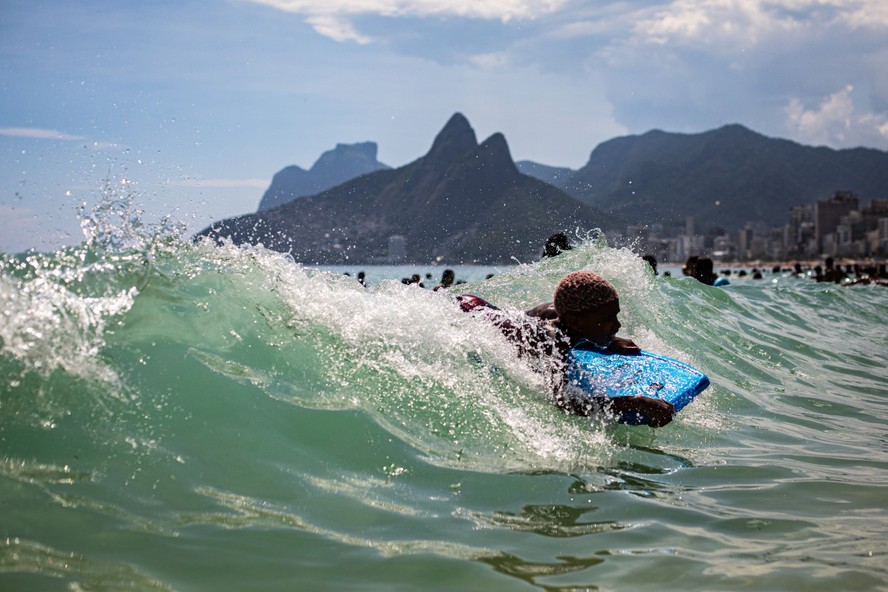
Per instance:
{"type": "Point", "coordinates": [490, 60]}
{"type": "Point", "coordinates": [222, 183]}
{"type": "Point", "coordinates": [729, 24]}
{"type": "Point", "coordinates": [866, 14]}
{"type": "Point", "coordinates": [33, 133]}
{"type": "Point", "coordinates": [37, 134]}
{"type": "Point", "coordinates": [836, 122]}
{"type": "Point", "coordinates": [337, 29]}
{"type": "Point", "coordinates": [331, 17]}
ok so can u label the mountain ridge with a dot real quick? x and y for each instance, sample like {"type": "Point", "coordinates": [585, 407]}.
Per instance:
{"type": "Point", "coordinates": [727, 176]}
{"type": "Point", "coordinates": [468, 202]}
{"type": "Point", "coordinates": [462, 202]}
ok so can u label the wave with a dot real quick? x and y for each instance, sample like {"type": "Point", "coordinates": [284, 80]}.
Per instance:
{"type": "Point", "coordinates": [160, 386]}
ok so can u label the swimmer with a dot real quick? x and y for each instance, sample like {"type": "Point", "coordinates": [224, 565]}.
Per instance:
{"type": "Point", "coordinates": [584, 312]}
{"type": "Point", "coordinates": [447, 279]}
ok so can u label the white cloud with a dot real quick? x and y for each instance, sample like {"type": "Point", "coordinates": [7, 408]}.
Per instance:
{"type": "Point", "coordinates": [33, 133]}
{"type": "Point", "coordinates": [490, 60]}
{"type": "Point", "coordinates": [504, 10]}
{"type": "Point", "coordinates": [726, 23]}
{"type": "Point", "coordinates": [865, 14]}
{"type": "Point", "coordinates": [330, 17]}
{"type": "Point", "coordinates": [336, 29]}
{"type": "Point", "coordinates": [222, 183]}
{"type": "Point", "coordinates": [836, 122]}
{"type": "Point", "coordinates": [37, 134]}
{"type": "Point", "coordinates": [729, 24]}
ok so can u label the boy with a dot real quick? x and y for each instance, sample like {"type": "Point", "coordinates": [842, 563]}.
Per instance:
{"type": "Point", "coordinates": [583, 313]}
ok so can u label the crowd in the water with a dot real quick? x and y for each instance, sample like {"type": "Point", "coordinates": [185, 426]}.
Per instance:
{"type": "Point", "coordinates": [448, 280]}
{"type": "Point", "coordinates": [702, 269]}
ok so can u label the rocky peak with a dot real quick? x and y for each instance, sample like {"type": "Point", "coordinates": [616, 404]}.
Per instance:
{"type": "Point", "coordinates": [455, 140]}
{"type": "Point", "coordinates": [494, 154]}
{"type": "Point", "coordinates": [351, 156]}
{"type": "Point", "coordinates": [336, 166]}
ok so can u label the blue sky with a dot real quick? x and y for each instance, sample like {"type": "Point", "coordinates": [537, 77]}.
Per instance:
{"type": "Point", "coordinates": [191, 106]}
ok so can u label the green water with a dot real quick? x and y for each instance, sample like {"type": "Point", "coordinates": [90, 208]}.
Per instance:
{"type": "Point", "coordinates": [195, 418]}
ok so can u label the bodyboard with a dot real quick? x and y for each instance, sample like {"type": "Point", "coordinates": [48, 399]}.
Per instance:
{"type": "Point", "coordinates": [595, 373]}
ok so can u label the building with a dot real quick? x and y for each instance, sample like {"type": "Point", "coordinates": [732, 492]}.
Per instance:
{"type": "Point", "coordinates": [776, 244]}
{"type": "Point", "coordinates": [744, 242]}
{"type": "Point", "coordinates": [882, 236]}
{"type": "Point", "coordinates": [837, 227]}
{"type": "Point", "coordinates": [799, 238]}
{"type": "Point", "coordinates": [828, 215]}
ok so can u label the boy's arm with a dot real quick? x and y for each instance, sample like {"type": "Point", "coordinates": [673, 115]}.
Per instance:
{"type": "Point", "coordinates": [621, 345]}
{"type": "Point", "coordinates": [545, 311]}
{"type": "Point", "coordinates": [658, 412]}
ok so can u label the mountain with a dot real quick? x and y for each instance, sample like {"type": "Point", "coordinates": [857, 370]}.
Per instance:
{"type": "Point", "coordinates": [724, 177]}
{"type": "Point", "coordinates": [336, 166]}
{"type": "Point", "coordinates": [556, 176]}
{"type": "Point", "coordinates": [462, 202]}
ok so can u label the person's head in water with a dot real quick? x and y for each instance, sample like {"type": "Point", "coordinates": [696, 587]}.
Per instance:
{"type": "Point", "coordinates": [587, 306]}
{"type": "Point", "coordinates": [703, 271]}
{"type": "Point", "coordinates": [447, 279]}
{"type": "Point", "coordinates": [652, 261]}
{"type": "Point", "coordinates": [556, 244]}
{"type": "Point", "coordinates": [690, 266]}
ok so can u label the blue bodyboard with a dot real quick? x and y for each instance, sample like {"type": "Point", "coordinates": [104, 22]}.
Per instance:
{"type": "Point", "coordinates": [595, 373]}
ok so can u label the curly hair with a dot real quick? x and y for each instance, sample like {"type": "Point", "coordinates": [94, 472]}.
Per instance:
{"type": "Point", "coordinates": [582, 291]}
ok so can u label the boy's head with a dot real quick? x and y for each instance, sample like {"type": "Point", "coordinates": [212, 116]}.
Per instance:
{"type": "Point", "coordinates": [587, 304]}
{"type": "Point", "coordinates": [582, 291]}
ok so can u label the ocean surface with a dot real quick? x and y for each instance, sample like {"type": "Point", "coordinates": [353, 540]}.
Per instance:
{"type": "Point", "coordinates": [178, 416]}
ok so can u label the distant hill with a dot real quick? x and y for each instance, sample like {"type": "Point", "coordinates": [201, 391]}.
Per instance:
{"type": "Point", "coordinates": [557, 176]}
{"type": "Point", "coordinates": [336, 166]}
{"type": "Point", "coordinates": [461, 203]}
{"type": "Point", "coordinates": [725, 177]}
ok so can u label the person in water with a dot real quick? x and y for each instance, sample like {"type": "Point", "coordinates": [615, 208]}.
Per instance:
{"type": "Point", "coordinates": [584, 313]}
{"type": "Point", "coordinates": [556, 244]}
{"type": "Point", "coordinates": [447, 279]}
{"type": "Point", "coordinates": [703, 271]}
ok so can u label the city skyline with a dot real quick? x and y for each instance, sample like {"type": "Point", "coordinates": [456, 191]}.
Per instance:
{"type": "Point", "coordinates": [842, 225]}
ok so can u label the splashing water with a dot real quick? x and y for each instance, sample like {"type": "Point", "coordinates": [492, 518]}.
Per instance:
{"type": "Point", "coordinates": [179, 416]}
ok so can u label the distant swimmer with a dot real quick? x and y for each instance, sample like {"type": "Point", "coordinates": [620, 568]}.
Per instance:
{"type": "Point", "coordinates": [703, 271]}
{"type": "Point", "coordinates": [583, 313]}
{"type": "Point", "coordinates": [447, 279]}
{"type": "Point", "coordinates": [833, 273]}
{"type": "Point", "coordinates": [652, 261]}
{"type": "Point", "coordinates": [556, 244]}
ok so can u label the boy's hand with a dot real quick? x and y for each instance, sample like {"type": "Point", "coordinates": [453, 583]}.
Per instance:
{"type": "Point", "coordinates": [621, 345]}
{"type": "Point", "coordinates": [657, 411]}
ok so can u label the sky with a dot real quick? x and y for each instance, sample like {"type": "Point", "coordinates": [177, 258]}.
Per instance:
{"type": "Point", "coordinates": [189, 107]}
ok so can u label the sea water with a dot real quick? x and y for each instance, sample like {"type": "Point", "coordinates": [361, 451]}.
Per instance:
{"type": "Point", "coordinates": [179, 416]}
